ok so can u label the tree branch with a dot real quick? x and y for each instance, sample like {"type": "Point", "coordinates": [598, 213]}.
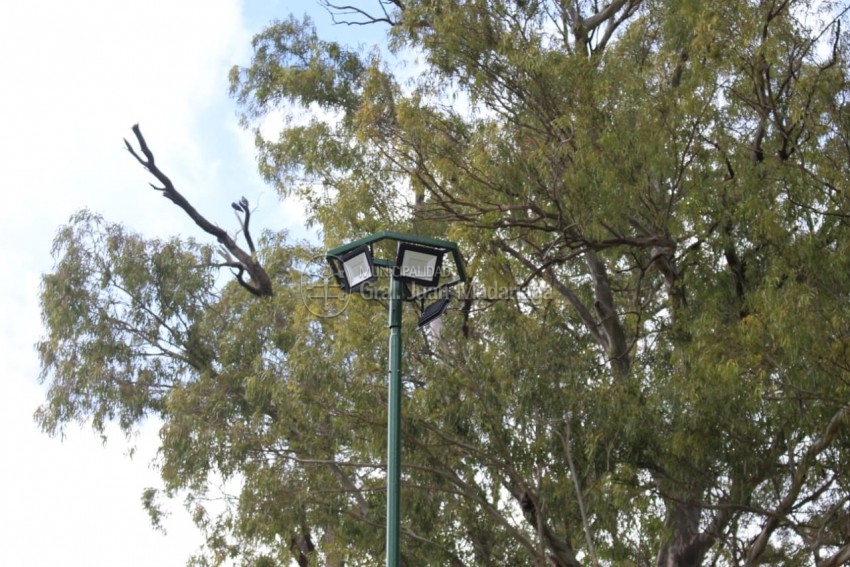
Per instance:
{"type": "Point", "coordinates": [796, 484]}
{"type": "Point", "coordinates": [566, 441]}
{"type": "Point", "coordinates": [260, 284]}
{"type": "Point", "coordinates": [242, 206]}
{"type": "Point", "coordinates": [841, 557]}
{"type": "Point", "coordinates": [350, 10]}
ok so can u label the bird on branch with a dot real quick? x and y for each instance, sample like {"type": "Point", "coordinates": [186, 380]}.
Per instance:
{"type": "Point", "coordinates": [240, 260]}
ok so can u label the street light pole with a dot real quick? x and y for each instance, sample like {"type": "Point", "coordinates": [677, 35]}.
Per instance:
{"type": "Point", "coordinates": [418, 261]}
{"type": "Point", "coordinates": [394, 426]}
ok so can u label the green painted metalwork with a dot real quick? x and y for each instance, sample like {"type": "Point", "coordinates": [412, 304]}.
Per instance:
{"type": "Point", "coordinates": [397, 296]}
{"type": "Point", "coordinates": [394, 427]}
{"type": "Point", "coordinates": [402, 237]}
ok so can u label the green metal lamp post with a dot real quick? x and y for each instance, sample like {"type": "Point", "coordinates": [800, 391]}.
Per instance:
{"type": "Point", "coordinates": [419, 261]}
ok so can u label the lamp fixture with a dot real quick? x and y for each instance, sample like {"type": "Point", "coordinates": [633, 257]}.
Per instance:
{"type": "Point", "coordinates": [418, 264]}
{"type": "Point", "coordinates": [434, 311]}
{"type": "Point", "coordinates": [354, 268]}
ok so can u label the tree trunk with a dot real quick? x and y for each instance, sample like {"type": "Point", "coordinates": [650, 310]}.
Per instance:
{"type": "Point", "coordinates": [686, 546]}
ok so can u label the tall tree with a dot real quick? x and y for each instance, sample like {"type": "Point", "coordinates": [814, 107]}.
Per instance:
{"type": "Point", "coordinates": [650, 364]}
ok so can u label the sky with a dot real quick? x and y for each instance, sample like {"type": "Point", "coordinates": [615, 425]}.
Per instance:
{"type": "Point", "coordinates": [76, 77]}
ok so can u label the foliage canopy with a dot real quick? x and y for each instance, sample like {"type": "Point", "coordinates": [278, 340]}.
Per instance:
{"type": "Point", "coordinates": [650, 364]}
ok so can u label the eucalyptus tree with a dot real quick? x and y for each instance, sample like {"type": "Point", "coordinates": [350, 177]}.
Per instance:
{"type": "Point", "coordinates": [650, 362]}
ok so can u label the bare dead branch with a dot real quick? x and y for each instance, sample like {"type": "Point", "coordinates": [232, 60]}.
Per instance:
{"type": "Point", "coordinates": [260, 284]}
{"type": "Point", "coordinates": [242, 206]}
{"type": "Point", "coordinates": [347, 10]}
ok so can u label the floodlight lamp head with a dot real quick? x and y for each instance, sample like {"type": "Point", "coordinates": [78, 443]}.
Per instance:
{"type": "Point", "coordinates": [434, 311]}
{"type": "Point", "coordinates": [355, 268]}
{"type": "Point", "coordinates": [417, 264]}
